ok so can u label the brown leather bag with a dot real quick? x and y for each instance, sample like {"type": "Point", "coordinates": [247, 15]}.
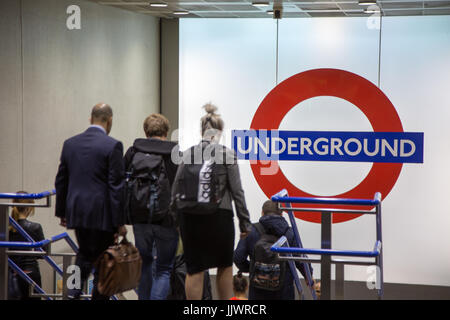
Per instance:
{"type": "Point", "coordinates": [119, 268]}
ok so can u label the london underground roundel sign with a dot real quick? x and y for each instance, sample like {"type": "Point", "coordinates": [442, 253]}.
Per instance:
{"type": "Point", "coordinates": [388, 147]}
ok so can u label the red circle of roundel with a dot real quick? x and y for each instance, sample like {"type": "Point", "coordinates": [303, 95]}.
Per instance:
{"type": "Point", "coordinates": [336, 83]}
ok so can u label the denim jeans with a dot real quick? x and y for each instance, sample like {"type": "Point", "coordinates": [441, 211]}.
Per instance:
{"type": "Point", "coordinates": [155, 279]}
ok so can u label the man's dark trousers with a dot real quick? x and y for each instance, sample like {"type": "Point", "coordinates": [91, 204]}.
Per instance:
{"type": "Point", "coordinates": [91, 245]}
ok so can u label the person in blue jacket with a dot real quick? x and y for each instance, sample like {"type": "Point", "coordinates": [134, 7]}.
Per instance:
{"type": "Point", "coordinates": [275, 224]}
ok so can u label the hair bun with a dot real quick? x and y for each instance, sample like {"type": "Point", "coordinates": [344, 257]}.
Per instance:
{"type": "Point", "coordinates": [210, 108]}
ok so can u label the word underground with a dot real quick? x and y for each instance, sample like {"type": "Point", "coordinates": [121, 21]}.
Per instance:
{"type": "Point", "coordinates": [388, 147]}
{"type": "Point", "coordinates": [233, 309]}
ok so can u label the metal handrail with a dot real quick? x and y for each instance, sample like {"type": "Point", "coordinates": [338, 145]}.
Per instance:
{"type": "Point", "coordinates": [347, 253]}
{"type": "Point", "coordinates": [326, 252]}
{"type": "Point", "coordinates": [33, 196]}
{"type": "Point", "coordinates": [26, 277]}
{"type": "Point", "coordinates": [282, 197]}
{"type": "Point", "coordinates": [49, 260]}
{"type": "Point", "coordinates": [298, 239]}
{"type": "Point", "coordinates": [39, 244]}
{"type": "Point", "coordinates": [32, 244]}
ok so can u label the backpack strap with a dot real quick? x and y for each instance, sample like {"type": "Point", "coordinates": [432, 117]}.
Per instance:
{"type": "Point", "coordinates": [258, 226]}
{"type": "Point", "coordinates": [132, 154]}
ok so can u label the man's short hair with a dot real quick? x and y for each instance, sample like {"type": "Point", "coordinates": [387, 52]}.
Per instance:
{"type": "Point", "coordinates": [156, 125]}
{"type": "Point", "coordinates": [270, 207]}
{"type": "Point", "coordinates": [101, 112]}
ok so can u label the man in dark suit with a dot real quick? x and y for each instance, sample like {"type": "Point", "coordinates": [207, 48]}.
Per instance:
{"type": "Point", "coordinates": [89, 192]}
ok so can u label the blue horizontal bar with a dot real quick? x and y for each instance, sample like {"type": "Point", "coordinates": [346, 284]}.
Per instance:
{"type": "Point", "coordinates": [40, 244]}
{"type": "Point", "coordinates": [282, 197]}
{"type": "Point", "coordinates": [281, 194]}
{"type": "Point", "coordinates": [329, 252]}
{"type": "Point", "coordinates": [11, 244]}
{"type": "Point", "coordinates": [59, 237]}
{"type": "Point", "coordinates": [280, 242]}
{"type": "Point", "coordinates": [27, 195]}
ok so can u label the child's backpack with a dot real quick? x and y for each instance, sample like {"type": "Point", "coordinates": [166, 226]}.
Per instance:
{"type": "Point", "coordinates": [267, 271]}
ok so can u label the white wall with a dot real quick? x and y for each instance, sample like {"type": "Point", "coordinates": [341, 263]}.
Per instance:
{"type": "Point", "coordinates": [170, 77]}
{"type": "Point", "coordinates": [55, 76]}
{"type": "Point", "coordinates": [233, 64]}
{"type": "Point", "coordinates": [415, 75]}
{"type": "Point", "coordinates": [10, 96]}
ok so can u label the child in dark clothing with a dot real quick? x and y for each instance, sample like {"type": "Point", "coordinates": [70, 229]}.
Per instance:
{"type": "Point", "coordinates": [274, 224]}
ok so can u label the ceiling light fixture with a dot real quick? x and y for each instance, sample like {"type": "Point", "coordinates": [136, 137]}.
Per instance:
{"type": "Point", "coordinates": [260, 4]}
{"type": "Point", "coordinates": [181, 12]}
{"type": "Point", "coordinates": [367, 2]}
{"type": "Point", "coordinates": [158, 4]}
{"type": "Point", "coordinates": [269, 12]}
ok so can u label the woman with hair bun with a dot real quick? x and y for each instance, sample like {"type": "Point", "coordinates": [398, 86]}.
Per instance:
{"type": "Point", "coordinates": [208, 234]}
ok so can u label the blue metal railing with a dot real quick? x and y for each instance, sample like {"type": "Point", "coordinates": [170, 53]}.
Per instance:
{"type": "Point", "coordinates": [283, 198]}
{"type": "Point", "coordinates": [33, 196]}
{"type": "Point", "coordinates": [346, 253]}
{"type": "Point", "coordinates": [31, 244]}
{"type": "Point", "coordinates": [49, 260]}
{"type": "Point", "coordinates": [25, 277]}
{"type": "Point", "coordinates": [37, 245]}
{"type": "Point", "coordinates": [280, 244]}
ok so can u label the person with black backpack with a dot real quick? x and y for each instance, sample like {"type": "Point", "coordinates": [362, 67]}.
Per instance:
{"type": "Point", "coordinates": [270, 278]}
{"type": "Point", "coordinates": [206, 183]}
{"type": "Point", "coordinates": [150, 174]}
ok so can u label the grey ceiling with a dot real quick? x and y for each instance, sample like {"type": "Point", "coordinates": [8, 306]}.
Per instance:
{"type": "Point", "coordinates": [291, 8]}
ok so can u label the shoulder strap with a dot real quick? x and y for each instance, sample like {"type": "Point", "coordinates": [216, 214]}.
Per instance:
{"type": "Point", "coordinates": [132, 152]}
{"type": "Point", "coordinates": [261, 229]}
{"type": "Point", "coordinates": [191, 152]}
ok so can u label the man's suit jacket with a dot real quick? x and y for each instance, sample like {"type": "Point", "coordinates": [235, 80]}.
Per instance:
{"type": "Point", "coordinates": [90, 182]}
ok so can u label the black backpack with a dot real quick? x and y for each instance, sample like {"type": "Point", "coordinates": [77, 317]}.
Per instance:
{"type": "Point", "coordinates": [200, 186]}
{"type": "Point", "coordinates": [267, 271]}
{"type": "Point", "coordinates": [147, 189]}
